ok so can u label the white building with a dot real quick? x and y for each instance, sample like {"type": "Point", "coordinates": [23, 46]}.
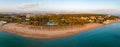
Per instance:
{"type": "Point", "coordinates": [108, 21]}
{"type": "Point", "coordinates": [2, 23]}
{"type": "Point", "coordinates": [29, 15]}
{"type": "Point", "coordinates": [109, 15]}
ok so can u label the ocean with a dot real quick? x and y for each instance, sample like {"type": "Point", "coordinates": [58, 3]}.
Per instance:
{"type": "Point", "coordinates": [116, 14]}
{"type": "Point", "coordinates": [106, 36]}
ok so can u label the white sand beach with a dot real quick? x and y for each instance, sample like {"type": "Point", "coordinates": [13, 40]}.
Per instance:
{"type": "Point", "coordinates": [47, 32]}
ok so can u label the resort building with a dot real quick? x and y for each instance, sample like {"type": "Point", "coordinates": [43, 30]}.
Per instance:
{"type": "Point", "coordinates": [2, 23]}
{"type": "Point", "coordinates": [108, 21]}
{"type": "Point", "coordinates": [27, 19]}
{"type": "Point", "coordinates": [29, 15]}
{"type": "Point", "coordinates": [91, 20]}
{"type": "Point", "coordinates": [85, 18]}
{"type": "Point", "coordinates": [93, 17]}
{"type": "Point", "coordinates": [109, 15]}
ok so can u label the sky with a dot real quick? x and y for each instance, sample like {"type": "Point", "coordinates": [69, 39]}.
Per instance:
{"type": "Point", "coordinates": [57, 5]}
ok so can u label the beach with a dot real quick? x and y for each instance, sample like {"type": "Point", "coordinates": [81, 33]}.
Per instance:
{"type": "Point", "coordinates": [47, 33]}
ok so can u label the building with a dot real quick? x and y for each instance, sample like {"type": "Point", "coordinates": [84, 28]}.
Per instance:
{"type": "Point", "coordinates": [108, 21]}
{"type": "Point", "coordinates": [93, 17]}
{"type": "Point", "coordinates": [29, 15]}
{"type": "Point", "coordinates": [27, 19]}
{"type": "Point", "coordinates": [2, 23]}
{"type": "Point", "coordinates": [109, 15]}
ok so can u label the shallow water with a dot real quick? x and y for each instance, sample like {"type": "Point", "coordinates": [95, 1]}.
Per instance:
{"type": "Point", "coordinates": [106, 36]}
{"type": "Point", "coordinates": [116, 14]}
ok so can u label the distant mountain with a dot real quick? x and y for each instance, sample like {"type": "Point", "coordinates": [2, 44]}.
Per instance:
{"type": "Point", "coordinates": [103, 11]}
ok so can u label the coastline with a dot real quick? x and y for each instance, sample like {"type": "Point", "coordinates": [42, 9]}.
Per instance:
{"type": "Point", "coordinates": [38, 34]}
{"type": "Point", "coordinates": [51, 33]}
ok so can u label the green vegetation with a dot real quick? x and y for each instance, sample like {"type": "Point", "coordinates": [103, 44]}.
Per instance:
{"type": "Point", "coordinates": [57, 20]}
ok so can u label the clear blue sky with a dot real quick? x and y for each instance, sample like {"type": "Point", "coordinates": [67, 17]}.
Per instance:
{"type": "Point", "coordinates": [61, 4]}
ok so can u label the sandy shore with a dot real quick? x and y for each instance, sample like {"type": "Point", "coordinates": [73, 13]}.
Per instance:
{"type": "Point", "coordinates": [47, 32]}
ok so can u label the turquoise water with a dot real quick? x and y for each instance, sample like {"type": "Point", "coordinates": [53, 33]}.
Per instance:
{"type": "Point", "coordinates": [107, 36]}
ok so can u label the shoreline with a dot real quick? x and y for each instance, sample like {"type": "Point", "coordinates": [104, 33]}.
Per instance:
{"type": "Point", "coordinates": [48, 34]}
{"type": "Point", "coordinates": [53, 34]}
